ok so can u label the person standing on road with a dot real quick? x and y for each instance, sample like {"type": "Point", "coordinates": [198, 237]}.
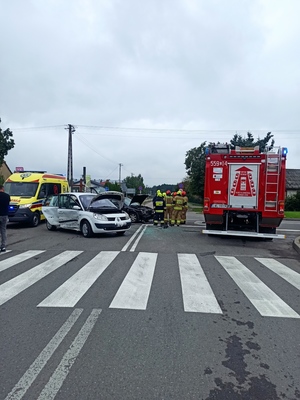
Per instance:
{"type": "Point", "coordinates": [169, 209]}
{"type": "Point", "coordinates": [184, 207]}
{"type": "Point", "coordinates": [159, 206]}
{"type": "Point", "coordinates": [178, 204]}
{"type": "Point", "coordinates": [4, 205]}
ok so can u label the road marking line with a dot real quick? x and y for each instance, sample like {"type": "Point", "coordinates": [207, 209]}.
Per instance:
{"type": "Point", "coordinates": [70, 292]}
{"type": "Point", "coordinates": [196, 291]}
{"type": "Point", "coordinates": [36, 367]}
{"type": "Point", "coordinates": [138, 239]}
{"type": "Point", "coordinates": [286, 273]}
{"type": "Point", "coordinates": [132, 238]}
{"type": "Point", "coordinates": [134, 290]}
{"type": "Point", "coordinates": [9, 262]}
{"type": "Point", "coordinates": [260, 295]}
{"type": "Point", "coordinates": [57, 379]}
{"type": "Point", "coordinates": [16, 285]}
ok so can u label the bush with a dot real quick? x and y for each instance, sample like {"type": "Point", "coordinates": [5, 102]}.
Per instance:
{"type": "Point", "coordinates": [292, 203]}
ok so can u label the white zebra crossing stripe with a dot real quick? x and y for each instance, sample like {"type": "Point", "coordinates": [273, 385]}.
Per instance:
{"type": "Point", "coordinates": [36, 367]}
{"type": "Point", "coordinates": [196, 290]}
{"type": "Point", "coordinates": [70, 292]}
{"type": "Point", "coordinates": [264, 299]}
{"type": "Point", "coordinates": [9, 262]}
{"type": "Point", "coordinates": [134, 291]}
{"type": "Point", "coordinates": [286, 273]}
{"type": "Point", "coordinates": [16, 285]}
{"type": "Point", "coordinates": [57, 379]}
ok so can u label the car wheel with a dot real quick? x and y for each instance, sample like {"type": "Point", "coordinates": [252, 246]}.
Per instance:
{"type": "Point", "coordinates": [86, 229]}
{"type": "Point", "coordinates": [134, 217]}
{"type": "Point", "coordinates": [120, 233]}
{"type": "Point", "coordinates": [50, 227]}
{"type": "Point", "coordinates": [35, 219]}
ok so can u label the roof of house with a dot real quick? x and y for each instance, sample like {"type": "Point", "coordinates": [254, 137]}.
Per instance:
{"type": "Point", "coordinates": [292, 179]}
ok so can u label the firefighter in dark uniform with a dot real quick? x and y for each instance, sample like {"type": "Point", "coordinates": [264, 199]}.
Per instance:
{"type": "Point", "coordinates": [159, 206]}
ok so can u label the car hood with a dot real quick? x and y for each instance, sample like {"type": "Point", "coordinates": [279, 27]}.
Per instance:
{"type": "Point", "coordinates": [139, 198]}
{"type": "Point", "coordinates": [110, 195]}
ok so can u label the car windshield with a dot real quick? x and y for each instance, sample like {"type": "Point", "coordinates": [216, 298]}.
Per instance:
{"type": "Point", "coordinates": [127, 201]}
{"type": "Point", "coordinates": [22, 189]}
{"type": "Point", "coordinates": [102, 203]}
{"type": "Point", "coordinates": [98, 190]}
{"type": "Point", "coordinates": [86, 200]}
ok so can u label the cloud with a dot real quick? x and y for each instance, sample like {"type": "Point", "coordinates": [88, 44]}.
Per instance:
{"type": "Point", "coordinates": [174, 67]}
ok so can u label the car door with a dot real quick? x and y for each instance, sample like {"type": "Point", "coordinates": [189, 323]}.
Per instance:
{"type": "Point", "coordinates": [68, 211]}
{"type": "Point", "coordinates": [49, 209]}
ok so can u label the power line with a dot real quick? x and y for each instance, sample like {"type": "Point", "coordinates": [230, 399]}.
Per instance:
{"type": "Point", "coordinates": [171, 130]}
{"type": "Point", "coordinates": [38, 127]}
{"type": "Point", "coordinates": [185, 130]}
{"type": "Point", "coordinates": [91, 147]}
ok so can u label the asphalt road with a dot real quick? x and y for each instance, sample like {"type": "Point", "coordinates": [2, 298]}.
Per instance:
{"type": "Point", "coordinates": [156, 314]}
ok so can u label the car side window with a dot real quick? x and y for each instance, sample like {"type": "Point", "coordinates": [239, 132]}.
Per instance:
{"type": "Point", "coordinates": [73, 201]}
{"type": "Point", "coordinates": [63, 201]}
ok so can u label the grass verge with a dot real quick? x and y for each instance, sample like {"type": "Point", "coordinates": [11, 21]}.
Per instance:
{"type": "Point", "coordinates": [292, 214]}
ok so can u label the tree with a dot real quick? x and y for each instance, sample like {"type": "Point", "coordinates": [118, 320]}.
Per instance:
{"type": "Point", "coordinates": [249, 141]}
{"type": "Point", "coordinates": [135, 182]}
{"type": "Point", "coordinates": [195, 167]}
{"type": "Point", "coordinates": [195, 159]}
{"type": "Point", "coordinates": [6, 143]}
{"type": "Point", "coordinates": [113, 186]}
{"type": "Point", "coordinates": [163, 188]}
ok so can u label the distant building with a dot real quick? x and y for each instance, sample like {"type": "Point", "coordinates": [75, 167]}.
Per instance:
{"type": "Point", "coordinates": [292, 181]}
{"type": "Point", "coordinates": [5, 171]}
{"type": "Point", "coordinates": [79, 186]}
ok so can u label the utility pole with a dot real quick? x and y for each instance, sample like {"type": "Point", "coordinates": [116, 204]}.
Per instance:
{"type": "Point", "coordinates": [120, 166]}
{"type": "Point", "coordinates": [71, 130]}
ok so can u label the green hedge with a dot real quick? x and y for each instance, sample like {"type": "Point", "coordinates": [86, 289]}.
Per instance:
{"type": "Point", "coordinates": [292, 203]}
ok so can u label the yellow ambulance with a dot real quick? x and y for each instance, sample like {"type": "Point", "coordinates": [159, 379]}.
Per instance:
{"type": "Point", "coordinates": [28, 190]}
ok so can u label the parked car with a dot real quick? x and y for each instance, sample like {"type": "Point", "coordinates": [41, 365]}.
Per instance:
{"type": "Point", "coordinates": [88, 213]}
{"type": "Point", "coordinates": [136, 210]}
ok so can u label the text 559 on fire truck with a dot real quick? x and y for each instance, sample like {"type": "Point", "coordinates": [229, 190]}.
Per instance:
{"type": "Point", "coordinates": [244, 190]}
{"type": "Point", "coordinates": [28, 190]}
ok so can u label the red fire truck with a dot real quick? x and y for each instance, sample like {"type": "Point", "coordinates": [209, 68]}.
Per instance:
{"type": "Point", "coordinates": [244, 190]}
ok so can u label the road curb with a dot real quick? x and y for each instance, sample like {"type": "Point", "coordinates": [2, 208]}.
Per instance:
{"type": "Point", "coordinates": [296, 244]}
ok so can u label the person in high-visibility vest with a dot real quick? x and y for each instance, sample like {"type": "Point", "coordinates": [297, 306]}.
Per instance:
{"type": "Point", "coordinates": [169, 209]}
{"type": "Point", "coordinates": [159, 206]}
{"type": "Point", "coordinates": [184, 207]}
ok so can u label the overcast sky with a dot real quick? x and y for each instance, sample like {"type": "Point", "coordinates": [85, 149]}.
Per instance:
{"type": "Point", "coordinates": [144, 81]}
